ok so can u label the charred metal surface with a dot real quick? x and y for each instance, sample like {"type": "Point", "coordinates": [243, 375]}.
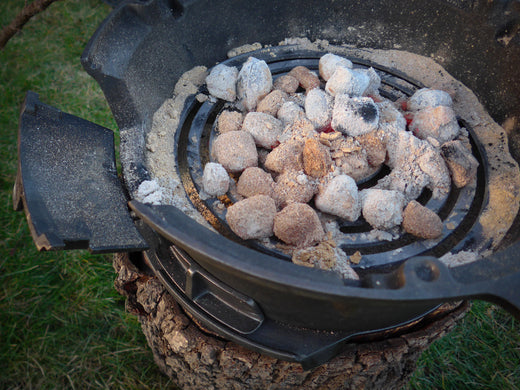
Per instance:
{"type": "Point", "coordinates": [476, 41]}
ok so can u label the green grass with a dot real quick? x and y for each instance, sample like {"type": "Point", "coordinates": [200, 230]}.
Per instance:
{"type": "Point", "coordinates": [483, 352]}
{"type": "Point", "coordinates": [62, 324]}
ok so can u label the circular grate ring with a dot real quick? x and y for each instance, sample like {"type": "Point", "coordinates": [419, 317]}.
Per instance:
{"type": "Point", "coordinates": [459, 209]}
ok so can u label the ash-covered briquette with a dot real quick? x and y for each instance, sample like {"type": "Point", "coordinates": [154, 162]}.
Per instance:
{"type": "Point", "coordinates": [221, 82]}
{"type": "Point", "coordinates": [264, 128]}
{"type": "Point", "coordinates": [235, 151]}
{"type": "Point", "coordinates": [272, 102]}
{"type": "Point", "coordinates": [428, 98]}
{"type": "Point", "coordinates": [255, 181]}
{"type": "Point", "coordinates": [318, 107]}
{"type": "Point", "coordinates": [317, 144]}
{"type": "Point", "coordinates": [289, 112]}
{"type": "Point", "coordinates": [346, 81]}
{"type": "Point", "coordinates": [287, 156]}
{"type": "Point", "coordinates": [298, 225]}
{"type": "Point", "coordinates": [252, 218]}
{"type": "Point", "coordinates": [229, 121]}
{"type": "Point", "coordinates": [382, 209]}
{"type": "Point", "coordinates": [461, 163]}
{"type": "Point", "coordinates": [421, 221]}
{"type": "Point", "coordinates": [293, 187]}
{"type": "Point", "coordinates": [330, 62]}
{"type": "Point", "coordinates": [253, 83]}
{"type": "Point", "coordinates": [438, 122]}
{"type": "Point", "coordinates": [339, 197]}
{"type": "Point", "coordinates": [286, 83]}
{"type": "Point", "coordinates": [215, 179]}
{"type": "Point", "coordinates": [353, 116]}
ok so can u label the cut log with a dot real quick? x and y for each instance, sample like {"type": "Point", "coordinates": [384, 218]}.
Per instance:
{"type": "Point", "coordinates": [196, 359]}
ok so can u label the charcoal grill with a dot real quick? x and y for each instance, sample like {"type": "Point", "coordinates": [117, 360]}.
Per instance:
{"type": "Point", "coordinates": [244, 291]}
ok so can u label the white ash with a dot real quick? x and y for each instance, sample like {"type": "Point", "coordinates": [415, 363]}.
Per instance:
{"type": "Point", "coordinates": [381, 235]}
{"type": "Point", "coordinates": [354, 116]}
{"type": "Point", "coordinates": [433, 165]}
{"type": "Point", "coordinates": [331, 227]}
{"type": "Point", "coordinates": [353, 163]}
{"type": "Point", "coordinates": [201, 97]}
{"type": "Point", "coordinates": [252, 218]}
{"type": "Point", "coordinates": [221, 82]}
{"type": "Point", "coordinates": [347, 81]}
{"type": "Point", "coordinates": [229, 121]}
{"type": "Point", "coordinates": [382, 209]}
{"type": "Point", "coordinates": [243, 49]}
{"type": "Point", "coordinates": [427, 97]}
{"type": "Point", "coordinates": [149, 191]}
{"type": "Point", "coordinates": [339, 197]}
{"type": "Point", "coordinates": [318, 107]}
{"type": "Point", "coordinates": [264, 128]}
{"type": "Point", "coordinates": [390, 116]}
{"type": "Point", "coordinates": [436, 122]}
{"type": "Point", "coordinates": [215, 179]}
{"type": "Point", "coordinates": [235, 150]}
{"type": "Point", "coordinates": [160, 144]}
{"type": "Point", "coordinates": [410, 181]}
{"type": "Point", "coordinates": [329, 62]}
{"type": "Point", "coordinates": [298, 98]}
{"type": "Point", "coordinates": [374, 82]}
{"type": "Point", "coordinates": [416, 164]}
{"type": "Point", "coordinates": [460, 258]}
{"type": "Point", "coordinates": [287, 156]}
{"type": "Point", "coordinates": [300, 130]}
{"type": "Point", "coordinates": [272, 102]}
{"type": "Point", "coordinates": [342, 266]}
{"type": "Point", "coordinates": [254, 82]}
{"type": "Point", "coordinates": [289, 112]}
{"type": "Point", "coordinates": [401, 145]}
{"type": "Point", "coordinates": [293, 187]}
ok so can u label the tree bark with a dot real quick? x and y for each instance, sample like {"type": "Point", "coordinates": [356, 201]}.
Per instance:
{"type": "Point", "coordinates": [196, 359]}
{"type": "Point", "coordinates": [23, 17]}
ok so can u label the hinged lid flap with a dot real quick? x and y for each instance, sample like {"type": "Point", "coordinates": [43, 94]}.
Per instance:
{"type": "Point", "coordinates": [68, 185]}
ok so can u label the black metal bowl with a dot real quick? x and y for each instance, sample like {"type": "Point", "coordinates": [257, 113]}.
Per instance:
{"type": "Point", "coordinates": [246, 293]}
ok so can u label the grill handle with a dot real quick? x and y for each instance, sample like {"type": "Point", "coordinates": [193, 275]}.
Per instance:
{"type": "Point", "coordinates": [495, 278]}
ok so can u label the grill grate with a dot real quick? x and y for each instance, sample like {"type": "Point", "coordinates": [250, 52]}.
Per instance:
{"type": "Point", "coordinates": [459, 209]}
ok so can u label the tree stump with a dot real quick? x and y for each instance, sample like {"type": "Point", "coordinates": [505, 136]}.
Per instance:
{"type": "Point", "coordinates": [195, 359]}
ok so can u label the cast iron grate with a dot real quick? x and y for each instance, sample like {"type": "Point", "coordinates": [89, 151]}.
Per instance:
{"type": "Point", "coordinates": [459, 209]}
